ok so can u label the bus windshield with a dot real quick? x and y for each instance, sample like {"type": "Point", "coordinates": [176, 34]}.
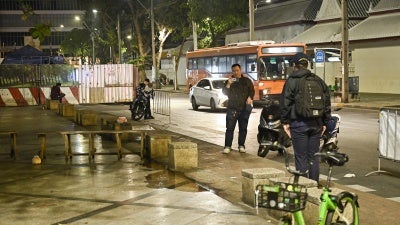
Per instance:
{"type": "Point", "coordinates": [274, 67]}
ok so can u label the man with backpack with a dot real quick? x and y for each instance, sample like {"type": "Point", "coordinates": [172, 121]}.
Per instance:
{"type": "Point", "coordinates": [306, 109]}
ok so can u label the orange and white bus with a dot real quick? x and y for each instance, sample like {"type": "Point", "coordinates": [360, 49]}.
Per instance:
{"type": "Point", "coordinates": [266, 63]}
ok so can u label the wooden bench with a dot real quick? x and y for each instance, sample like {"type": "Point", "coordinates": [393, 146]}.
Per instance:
{"type": "Point", "coordinates": [67, 140]}
{"type": "Point", "coordinates": [43, 142]}
{"type": "Point", "coordinates": [13, 144]}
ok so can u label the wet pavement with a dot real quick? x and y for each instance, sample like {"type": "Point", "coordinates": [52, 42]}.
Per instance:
{"type": "Point", "coordinates": [106, 191]}
{"type": "Point", "coordinates": [133, 190]}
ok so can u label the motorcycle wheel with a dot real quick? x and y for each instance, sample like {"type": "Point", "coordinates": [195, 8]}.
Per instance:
{"type": "Point", "coordinates": [137, 111]}
{"type": "Point", "coordinates": [263, 150]}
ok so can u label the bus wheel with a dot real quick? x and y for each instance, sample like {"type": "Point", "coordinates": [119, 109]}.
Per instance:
{"type": "Point", "coordinates": [194, 104]}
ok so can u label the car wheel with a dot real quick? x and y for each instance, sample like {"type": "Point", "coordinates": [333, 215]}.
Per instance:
{"type": "Point", "coordinates": [194, 104]}
{"type": "Point", "coordinates": [212, 105]}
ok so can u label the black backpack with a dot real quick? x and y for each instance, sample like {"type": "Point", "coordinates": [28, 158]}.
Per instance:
{"type": "Point", "coordinates": [310, 98]}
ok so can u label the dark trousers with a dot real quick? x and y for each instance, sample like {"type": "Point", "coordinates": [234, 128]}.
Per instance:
{"type": "Point", "coordinates": [232, 117]}
{"type": "Point", "coordinates": [306, 140]}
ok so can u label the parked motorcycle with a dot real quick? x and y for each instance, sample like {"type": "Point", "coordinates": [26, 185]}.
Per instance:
{"type": "Point", "coordinates": [271, 135]}
{"type": "Point", "coordinates": [329, 139]}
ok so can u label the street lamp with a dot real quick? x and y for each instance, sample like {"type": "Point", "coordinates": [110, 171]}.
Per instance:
{"type": "Point", "coordinates": [92, 34]}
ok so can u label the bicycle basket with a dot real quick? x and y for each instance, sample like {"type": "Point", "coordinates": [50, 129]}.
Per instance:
{"type": "Point", "coordinates": [282, 196]}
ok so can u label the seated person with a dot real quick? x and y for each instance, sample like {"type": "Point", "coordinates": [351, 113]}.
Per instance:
{"type": "Point", "coordinates": [56, 93]}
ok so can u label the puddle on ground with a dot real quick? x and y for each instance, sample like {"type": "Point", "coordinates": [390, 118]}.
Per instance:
{"type": "Point", "coordinates": [170, 179]}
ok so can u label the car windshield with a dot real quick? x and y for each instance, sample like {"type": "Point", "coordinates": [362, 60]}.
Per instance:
{"type": "Point", "coordinates": [275, 68]}
{"type": "Point", "coordinates": [218, 84]}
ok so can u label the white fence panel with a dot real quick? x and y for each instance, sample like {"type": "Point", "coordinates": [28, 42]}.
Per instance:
{"type": "Point", "coordinates": [389, 134]}
{"type": "Point", "coordinates": [106, 83]}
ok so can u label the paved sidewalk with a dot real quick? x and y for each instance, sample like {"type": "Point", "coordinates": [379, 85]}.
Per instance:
{"type": "Point", "coordinates": [134, 191]}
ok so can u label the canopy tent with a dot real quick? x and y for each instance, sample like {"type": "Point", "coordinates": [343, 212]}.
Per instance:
{"type": "Point", "coordinates": [31, 55]}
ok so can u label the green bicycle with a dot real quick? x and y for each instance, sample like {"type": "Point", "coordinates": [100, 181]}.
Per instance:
{"type": "Point", "coordinates": [341, 209]}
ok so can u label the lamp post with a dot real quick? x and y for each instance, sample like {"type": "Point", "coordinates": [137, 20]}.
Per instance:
{"type": "Point", "coordinates": [345, 52]}
{"type": "Point", "coordinates": [92, 34]}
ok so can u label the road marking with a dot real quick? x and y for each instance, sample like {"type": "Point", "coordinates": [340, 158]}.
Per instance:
{"type": "Point", "coordinates": [324, 177]}
{"type": "Point", "coordinates": [360, 188]}
{"type": "Point", "coordinates": [208, 129]}
{"type": "Point", "coordinates": [396, 199]}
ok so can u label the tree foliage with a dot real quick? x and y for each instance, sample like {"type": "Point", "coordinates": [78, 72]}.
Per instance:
{"type": "Point", "coordinates": [173, 25]}
{"type": "Point", "coordinates": [41, 31]}
{"type": "Point", "coordinates": [215, 18]}
{"type": "Point", "coordinates": [77, 43]}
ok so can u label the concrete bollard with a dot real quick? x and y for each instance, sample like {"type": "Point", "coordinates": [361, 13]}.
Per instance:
{"type": "Point", "coordinates": [87, 118]}
{"type": "Point", "coordinates": [157, 145]}
{"type": "Point", "coordinates": [253, 177]}
{"type": "Point", "coordinates": [182, 156]}
{"type": "Point", "coordinates": [52, 104]}
{"type": "Point", "coordinates": [67, 110]}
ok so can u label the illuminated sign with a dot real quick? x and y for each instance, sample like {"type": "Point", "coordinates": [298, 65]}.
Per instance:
{"type": "Point", "coordinates": [277, 50]}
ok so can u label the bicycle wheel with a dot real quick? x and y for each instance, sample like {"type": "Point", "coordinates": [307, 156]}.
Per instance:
{"type": "Point", "coordinates": [346, 213]}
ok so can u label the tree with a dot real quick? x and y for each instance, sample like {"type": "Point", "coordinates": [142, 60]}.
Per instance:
{"type": "Point", "coordinates": [40, 31]}
{"type": "Point", "coordinates": [77, 43]}
{"type": "Point", "coordinates": [215, 18]}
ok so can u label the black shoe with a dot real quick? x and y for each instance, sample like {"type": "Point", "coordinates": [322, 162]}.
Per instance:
{"type": "Point", "coordinates": [150, 117]}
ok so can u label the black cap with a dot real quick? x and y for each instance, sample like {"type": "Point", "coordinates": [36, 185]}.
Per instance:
{"type": "Point", "coordinates": [58, 84]}
{"type": "Point", "coordinates": [299, 58]}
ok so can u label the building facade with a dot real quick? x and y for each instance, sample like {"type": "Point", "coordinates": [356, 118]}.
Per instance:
{"type": "Point", "coordinates": [374, 36]}
{"type": "Point", "coordinates": [17, 17]}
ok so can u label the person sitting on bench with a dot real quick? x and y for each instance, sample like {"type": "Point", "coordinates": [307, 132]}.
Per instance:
{"type": "Point", "coordinates": [56, 93]}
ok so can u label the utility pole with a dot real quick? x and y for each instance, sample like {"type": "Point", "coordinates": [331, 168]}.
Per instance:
{"type": "Point", "coordinates": [251, 20]}
{"type": "Point", "coordinates": [345, 53]}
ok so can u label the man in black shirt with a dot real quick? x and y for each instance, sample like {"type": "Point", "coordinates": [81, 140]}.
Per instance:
{"type": "Point", "coordinates": [240, 92]}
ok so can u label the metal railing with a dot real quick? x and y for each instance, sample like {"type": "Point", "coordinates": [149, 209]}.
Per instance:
{"type": "Point", "coordinates": [162, 103]}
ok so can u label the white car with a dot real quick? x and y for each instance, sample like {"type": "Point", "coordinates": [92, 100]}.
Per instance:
{"type": "Point", "coordinates": [208, 92]}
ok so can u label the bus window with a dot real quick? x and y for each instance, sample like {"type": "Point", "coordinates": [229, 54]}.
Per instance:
{"type": "Point", "coordinates": [222, 65]}
{"type": "Point", "coordinates": [274, 68]}
{"type": "Point", "coordinates": [193, 64]}
{"type": "Point", "coordinates": [214, 65]}
{"type": "Point", "coordinates": [200, 63]}
{"type": "Point", "coordinates": [208, 64]}
{"type": "Point", "coordinates": [251, 66]}
{"type": "Point", "coordinates": [241, 60]}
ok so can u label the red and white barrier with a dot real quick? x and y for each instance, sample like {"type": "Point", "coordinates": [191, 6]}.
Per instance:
{"type": "Point", "coordinates": [34, 96]}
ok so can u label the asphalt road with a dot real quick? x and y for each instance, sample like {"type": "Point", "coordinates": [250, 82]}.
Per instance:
{"type": "Point", "coordinates": [358, 137]}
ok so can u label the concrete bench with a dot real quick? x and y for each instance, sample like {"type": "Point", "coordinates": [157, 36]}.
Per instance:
{"type": "Point", "coordinates": [43, 142]}
{"type": "Point", "coordinates": [109, 122]}
{"type": "Point", "coordinates": [13, 143]}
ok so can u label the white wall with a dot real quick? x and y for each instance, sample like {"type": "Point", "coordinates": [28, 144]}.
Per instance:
{"type": "Point", "coordinates": [378, 69]}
